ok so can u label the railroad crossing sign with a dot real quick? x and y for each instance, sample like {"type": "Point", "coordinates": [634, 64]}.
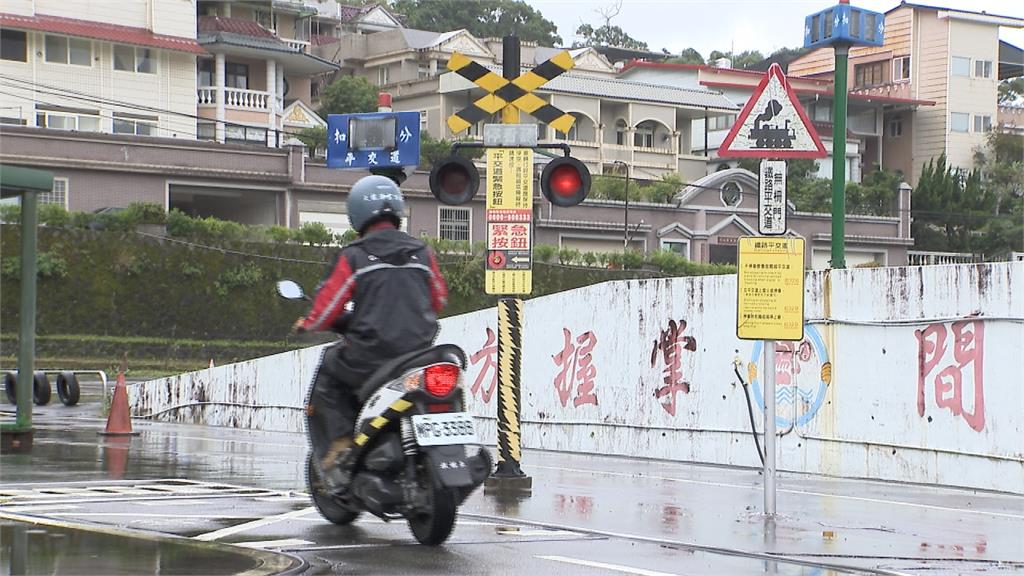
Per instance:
{"type": "Point", "coordinates": [517, 92]}
{"type": "Point", "coordinates": [773, 124]}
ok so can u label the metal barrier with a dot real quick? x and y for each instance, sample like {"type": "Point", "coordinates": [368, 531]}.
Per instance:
{"type": "Point", "coordinates": [67, 386]}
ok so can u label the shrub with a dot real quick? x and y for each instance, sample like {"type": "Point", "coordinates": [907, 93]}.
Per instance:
{"type": "Point", "coordinates": [48, 265]}
{"type": "Point", "coordinates": [632, 260]}
{"type": "Point", "coordinates": [54, 215]}
{"type": "Point", "coordinates": [314, 234]}
{"type": "Point", "coordinates": [10, 213]}
{"type": "Point", "coordinates": [567, 256]}
{"type": "Point", "coordinates": [242, 276]}
{"type": "Point", "coordinates": [544, 253]}
{"type": "Point", "coordinates": [280, 234]}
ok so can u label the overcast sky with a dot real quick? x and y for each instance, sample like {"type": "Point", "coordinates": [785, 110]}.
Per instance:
{"type": "Point", "coordinates": [764, 25]}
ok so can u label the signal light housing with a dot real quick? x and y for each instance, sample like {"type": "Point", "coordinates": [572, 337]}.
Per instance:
{"type": "Point", "coordinates": [454, 180]}
{"type": "Point", "coordinates": [439, 380]}
{"type": "Point", "coordinates": [565, 181]}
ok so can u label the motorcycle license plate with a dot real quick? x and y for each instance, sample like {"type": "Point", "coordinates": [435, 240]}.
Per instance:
{"type": "Point", "coordinates": [440, 429]}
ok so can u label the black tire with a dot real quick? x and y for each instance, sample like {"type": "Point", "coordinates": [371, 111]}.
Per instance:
{"type": "Point", "coordinates": [41, 391]}
{"type": "Point", "coordinates": [68, 389]}
{"type": "Point", "coordinates": [327, 505]}
{"type": "Point", "coordinates": [431, 527]}
{"type": "Point", "coordinates": [10, 385]}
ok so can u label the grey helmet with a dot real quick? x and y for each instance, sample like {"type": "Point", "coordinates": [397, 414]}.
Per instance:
{"type": "Point", "coordinates": [374, 198]}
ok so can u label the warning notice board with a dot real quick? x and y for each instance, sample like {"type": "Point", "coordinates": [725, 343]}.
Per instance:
{"type": "Point", "coordinates": [509, 221]}
{"type": "Point", "coordinates": [770, 301]}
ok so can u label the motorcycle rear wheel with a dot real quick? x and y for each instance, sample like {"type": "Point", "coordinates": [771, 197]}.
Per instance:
{"type": "Point", "coordinates": [433, 525]}
{"type": "Point", "coordinates": [327, 505]}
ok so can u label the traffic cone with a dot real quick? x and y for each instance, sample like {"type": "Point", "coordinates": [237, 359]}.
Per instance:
{"type": "Point", "coordinates": [119, 422]}
{"type": "Point", "coordinates": [211, 362]}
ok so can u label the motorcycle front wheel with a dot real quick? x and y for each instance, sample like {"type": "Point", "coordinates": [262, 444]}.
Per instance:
{"type": "Point", "coordinates": [432, 524]}
{"type": "Point", "coordinates": [327, 505]}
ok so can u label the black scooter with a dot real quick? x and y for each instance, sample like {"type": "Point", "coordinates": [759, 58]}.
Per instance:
{"type": "Point", "coordinates": [416, 455]}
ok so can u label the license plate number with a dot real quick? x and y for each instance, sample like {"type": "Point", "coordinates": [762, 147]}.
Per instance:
{"type": "Point", "coordinates": [440, 429]}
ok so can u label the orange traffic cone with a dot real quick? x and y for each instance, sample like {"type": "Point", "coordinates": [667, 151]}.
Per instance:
{"type": "Point", "coordinates": [119, 422]}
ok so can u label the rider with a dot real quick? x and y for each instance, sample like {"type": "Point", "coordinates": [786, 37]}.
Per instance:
{"type": "Point", "coordinates": [395, 290]}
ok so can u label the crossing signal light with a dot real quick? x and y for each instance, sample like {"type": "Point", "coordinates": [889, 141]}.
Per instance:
{"type": "Point", "coordinates": [565, 181]}
{"type": "Point", "coordinates": [454, 180]}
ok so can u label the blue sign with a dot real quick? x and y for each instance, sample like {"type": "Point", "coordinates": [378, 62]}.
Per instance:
{"type": "Point", "coordinates": [374, 140]}
{"type": "Point", "coordinates": [844, 24]}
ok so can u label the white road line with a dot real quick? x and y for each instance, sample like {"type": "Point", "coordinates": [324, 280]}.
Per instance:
{"type": "Point", "coordinates": [138, 515]}
{"type": "Point", "coordinates": [37, 508]}
{"type": "Point", "coordinates": [265, 544]}
{"type": "Point", "coordinates": [612, 567]}
{"type": "Point", "coordinates": [758, 488]}
{"type": "Point", "coordinates": [224, 532]}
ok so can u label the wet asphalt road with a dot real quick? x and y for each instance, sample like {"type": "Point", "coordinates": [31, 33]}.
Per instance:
{"type": "Point", "coordinates": [587, 515]}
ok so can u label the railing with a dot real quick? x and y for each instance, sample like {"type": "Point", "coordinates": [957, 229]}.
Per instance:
{"type": "Point", "coordinates": [925, 258]}
{"type": "Point", "coordinates": [892, 90]}
{"type": "Point", "coordinates": [300, 45]}
{"type": "Point", "coordinates": [234, 98]}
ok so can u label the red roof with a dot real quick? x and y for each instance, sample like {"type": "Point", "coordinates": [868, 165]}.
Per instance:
{"type": "Point", "coordinates": [234, 26]}
{"type": "Point", "coordinates": [100, 31]}
{"type": "Point", "coordinates": [851, 95]}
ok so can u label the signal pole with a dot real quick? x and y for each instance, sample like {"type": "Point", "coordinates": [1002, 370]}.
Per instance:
{"type": "Point", "coordinates": [839, 107]}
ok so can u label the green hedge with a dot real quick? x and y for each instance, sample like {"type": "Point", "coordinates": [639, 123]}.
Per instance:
{"type": "Point", "coordinates": [122, 283]}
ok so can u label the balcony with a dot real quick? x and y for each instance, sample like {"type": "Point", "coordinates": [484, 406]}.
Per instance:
{"type": "Point", "coordinates": [892, 90]}
{"type": "Point", "coordinates": [300, 45]}
{"type": "Point", "coordinates": [236, 98]}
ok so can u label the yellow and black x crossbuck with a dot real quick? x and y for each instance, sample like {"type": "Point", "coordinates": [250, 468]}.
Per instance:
{"type": "Point", "coordinates": [504, 92]}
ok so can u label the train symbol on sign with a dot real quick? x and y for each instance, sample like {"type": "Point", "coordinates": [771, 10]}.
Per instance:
{"type": "Point", "coordinates": [772, 136]}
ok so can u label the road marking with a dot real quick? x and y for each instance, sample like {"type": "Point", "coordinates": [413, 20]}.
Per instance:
{"type": "Point", "coordinates": [176, 503]}
{"type": "Point", "coordinates": [613, 567]}
{"type": "Point", "coordinates": [533, 533]}
{"type": "Point", "coordinates": [138, 515]}
{"type": "Point", "coordinates": [265, 544]}
{"type": "Point", "coordinates": [224, 532]}
{"type": "Point", "coordinates": [37, 508]}
{"type": "Point", "coordinates": [759, 487]}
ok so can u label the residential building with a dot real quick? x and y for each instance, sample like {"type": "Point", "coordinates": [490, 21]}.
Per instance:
{"type": "Point", "coordinates": [868, 136]}
{"type": "Point", "coordinates": [260, 60]}
{"type": "Point", "coordinates": [941, 55]}
{"type": "Point", "coordinates": [643, 125]}
{"type": "Point", "coordinates": [123, 68]}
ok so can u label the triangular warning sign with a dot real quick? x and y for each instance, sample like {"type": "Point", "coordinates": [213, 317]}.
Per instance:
{"type": "Point", "coordinates": [773, 124]}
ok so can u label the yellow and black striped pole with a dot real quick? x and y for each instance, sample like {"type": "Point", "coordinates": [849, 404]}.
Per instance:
{"type": "Point", "coordinates": [508, 476]}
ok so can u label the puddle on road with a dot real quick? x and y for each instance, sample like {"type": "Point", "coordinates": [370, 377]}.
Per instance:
{"type": "Point", "coordinates": [35, 549]}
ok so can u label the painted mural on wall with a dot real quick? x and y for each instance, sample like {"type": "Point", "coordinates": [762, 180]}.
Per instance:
{"type": "Point", "coordinates": [950, 361]}
{"type": "Point", "coordinates": [803, 373]}
{"type": "Point", "coordinates": [669, 348]}
{"type": "Point", "coordinates": [576, 370]}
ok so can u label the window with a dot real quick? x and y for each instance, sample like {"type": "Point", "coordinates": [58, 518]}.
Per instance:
{"type": "Point", "coordinates": [643, 137]}
{"type": "Point", "coordinates": [267, 19]}
{"type": "Point", "coordinates": [59, 194]}
{"type": "Point", "coordinates": [982, 123]}
{"type": "Point", "coordinates": [236, 76]}
{"type": "Point", "coordinates": [901, 69]}
{"type": "Point", "coordinates": [721, 122]}
{"type": "Point", "coordinates": [136, 59]}
{"type": "Point", "coordinates": [731, 194]}
{"type": "Point", "coordinates": [206, 131]}
{"type": "Point", "coordinates": [382, 75]}
{"type": "Point", "coordinates": [68, 121]}
{"type": "Point", "coordinates": [896, 127]}
{"type": "Point", "coordinates": [869, 74]}
{"type": "Point", "coordinates": [64, 50]}
{"type": "Point", "coordinates": [423, 121]}
{"type": "Point", "coordinates": [245, 134]}
{"type": "Point", "coordinates": [960, 66]}
{"type": "Point", "coordinates": [680, 247]}
{"type": "Point", "coordinates": [620, 132]}
{"type": "Point", "coordinates": [723, 253]}
{"type": "Point", "coordinates": [138, 125]}
{"type": "Point", "coordinates": [959, 122]}
{"type": "Point", "coordinates": [453, 223]}
{"type": "Point", "coordinates": [422, 71]}
{"type": "Point", "coordinates": [982, 68]}
{"type": "Point", "coordinates": [572, 134]}
{"type": "Point", "coordinates": [13, 45]}
{"type": "Point", "coordinates": [821, 113]}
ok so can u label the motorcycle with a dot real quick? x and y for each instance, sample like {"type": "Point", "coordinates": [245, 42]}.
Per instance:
{"type": "Point", "coordinates": [416, 455]}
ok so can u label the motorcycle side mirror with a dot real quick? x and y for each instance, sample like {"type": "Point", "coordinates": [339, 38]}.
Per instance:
{"type": "Point", "coordinates": [290, 290]}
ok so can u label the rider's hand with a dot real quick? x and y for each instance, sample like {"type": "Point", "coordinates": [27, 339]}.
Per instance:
{"type": "Point", "coordinates": [298, 328]}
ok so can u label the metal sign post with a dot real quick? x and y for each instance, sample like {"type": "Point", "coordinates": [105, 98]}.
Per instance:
{"type": "Point", "coordinates": [769, 427]}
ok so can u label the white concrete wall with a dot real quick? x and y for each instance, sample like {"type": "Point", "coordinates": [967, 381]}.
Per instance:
{"type": "Point", "coordinates": [915, 379]}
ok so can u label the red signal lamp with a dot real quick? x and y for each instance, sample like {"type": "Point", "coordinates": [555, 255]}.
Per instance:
{"type": "Point", "coordinates": [565, 181]}
{"type": "Point", "coordinates": [454, 180]}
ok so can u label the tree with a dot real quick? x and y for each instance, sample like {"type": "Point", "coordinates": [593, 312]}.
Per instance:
{"type": "Point", "coordinates": [432, 151]}
{"type": "Point", "coordinates": [348, 95]}
{"type": "Point", "coordinates": [951, 208]}
{"type": "Point", "coordinates": [1011, 91]}
{"type": "Point", "coordinates": [688, 56]}
{"type": "Point", "coordinates": [745, 60]}
{"type": "Point", "coordinates": [482, 18]}
{"type": "Point", "coordinates": [314, 138]}
{"type": "Point", "coordinates": [606, 35]}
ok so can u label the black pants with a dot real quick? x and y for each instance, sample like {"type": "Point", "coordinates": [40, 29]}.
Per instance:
{"type": "Point", "coordinates": [333, 404]}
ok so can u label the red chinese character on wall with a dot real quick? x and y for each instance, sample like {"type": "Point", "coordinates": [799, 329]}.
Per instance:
{"type": "Point", "coordinates": [488, 354]}
{"type": "Point", "coordinates": [968, 347]}
{"type": "Point", "coordinates": [577, 369]}
{"type": "Point", "coordinates": [671, 344]}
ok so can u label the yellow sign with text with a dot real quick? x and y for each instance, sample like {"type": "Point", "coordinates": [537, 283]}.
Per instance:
{"type": "Point", "coordinates": [509, 219]}
{"type": "Point", "coordinates": [770, 300]}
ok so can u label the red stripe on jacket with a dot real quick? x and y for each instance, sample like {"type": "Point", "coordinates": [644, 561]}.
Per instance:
{"type": "Point", "coordinates": [333, 295]}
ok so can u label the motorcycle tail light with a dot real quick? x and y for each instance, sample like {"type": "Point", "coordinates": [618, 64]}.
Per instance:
{"type": "Point", "coordinates": [440, 380]}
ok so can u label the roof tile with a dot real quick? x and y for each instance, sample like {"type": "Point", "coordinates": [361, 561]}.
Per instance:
{"type": "Point", "coordinates": [100, 31]}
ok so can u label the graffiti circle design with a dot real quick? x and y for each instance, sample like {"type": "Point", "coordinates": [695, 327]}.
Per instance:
{"type": "Point", "coordinates": [784, 395]}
